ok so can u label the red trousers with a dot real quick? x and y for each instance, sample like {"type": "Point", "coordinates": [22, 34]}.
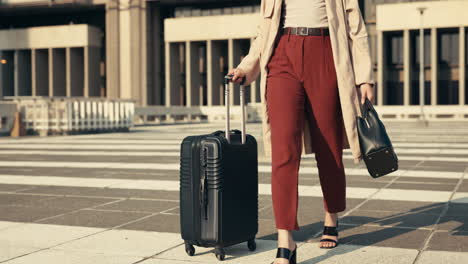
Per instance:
{"type": "Point", "coordinates": [301, 76]}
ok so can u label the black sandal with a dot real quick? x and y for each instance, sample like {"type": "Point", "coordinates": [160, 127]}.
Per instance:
{"type": "Point", "coordinates": [286, 253]}
{"type": "Point", "coordinates": [330, 231]}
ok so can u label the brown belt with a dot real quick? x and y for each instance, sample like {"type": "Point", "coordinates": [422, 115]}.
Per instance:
{"type": "Point", "coordinates": [305, 31]}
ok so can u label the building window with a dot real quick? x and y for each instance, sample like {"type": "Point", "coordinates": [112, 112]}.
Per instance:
{"type": "Point", "coordinates": [448, 48]}
{"type": "Point", "coordinates": [393, 48]}
{"type": "Point", "coordinates": [448, 65]}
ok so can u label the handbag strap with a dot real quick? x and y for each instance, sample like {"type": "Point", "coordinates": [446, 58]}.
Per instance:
{"type": "Point", "coordinates": [366, 107]}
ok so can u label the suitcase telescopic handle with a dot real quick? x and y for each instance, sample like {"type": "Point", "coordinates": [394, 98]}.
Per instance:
{"type": "Point", "coordinates": [227, 79]}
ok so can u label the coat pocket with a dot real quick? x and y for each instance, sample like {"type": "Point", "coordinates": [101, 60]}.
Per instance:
{"type": "Point", "coordinates": [268, 6]}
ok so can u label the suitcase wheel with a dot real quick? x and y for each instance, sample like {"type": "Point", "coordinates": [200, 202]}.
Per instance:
{"type": "Point", "coordinates": [189, 249]}
{"type": "Point", "coordinates": [251, 245]}
{"type": "Point", "coordinates": [220, 254]}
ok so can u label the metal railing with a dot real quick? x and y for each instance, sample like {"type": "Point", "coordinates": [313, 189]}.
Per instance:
{"type": "Point", "coordinates": [65, 115]}
{"type": "Point", "coordinates": [180, 114]}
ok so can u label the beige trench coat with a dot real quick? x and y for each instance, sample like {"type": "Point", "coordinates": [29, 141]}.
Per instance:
{"type": "Point", "coordinates": [349, 41]}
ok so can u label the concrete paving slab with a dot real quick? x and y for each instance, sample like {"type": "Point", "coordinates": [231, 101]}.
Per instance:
{"type": "Point", "coordinates": [343, 254]}
{"type": "Point", "coordinates": [267, 229]}
{"type": "Point", "coordinates": [158, 223]}
{"type": "Point", "coordinates": [99, 173]}
{"type": "Point", "coordinates": [365, 184]}
{"type": "Point", "coordinates": [28, 213]}
{"type": "Point", "coordinates": [42, 235]}
{"type": "Point", "coordinates": [52, 256]}
{"type": "Point", "coordinates": [412, 195]}
{"type": "Point", "coordinates": [422, 186]}
{"type": "Point", "coordinates": [15, 187]}
{"type": "Point", "coordinates": [7, 224]}
{"type": "Point", "coordinates": [404, 206]}
{"type": "Point", "coordinates": [449, 241]}
{"type": "Point", "coordinates": [9, 251]}
{"type": "Point", "coordinates": [434, 180]}
{"type": "Point", "coordinates": [460, 197]}
{"type": "Point", "coordinates": [168, 261]}
{"type": "Point", "coordinates": [20, 199]}
{"type": "Point", "coordinates": [457, 209]}
{"type": "Point", "coordinates": [125, 243]}
{"type": "Point", "coordinates": [453, 223]}
{"type": "Point", "coordinates": [463, 186]}
{"type": "Point", "coordinates": [389, 218]}
{"type": "Point", "coordinates": [239, 253]}
{"type": "Point", "coordinates": [105, 192]}
{"type": "Point", "coordinates": [437, 257]}
{"type": "Point", "coordinates": [95, 218]}
{"type": "Point", "coordinates": [140, 205]}
{"type": "Point", "coordinates": [381, 236]}
{"type": "Point", "coordinates": [70, 203]}
{"type": "Point", "coordinates": [168, 158]}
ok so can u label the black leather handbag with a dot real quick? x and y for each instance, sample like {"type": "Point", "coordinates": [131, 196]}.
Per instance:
{"type": "Point", "coordinates": [375, 145]}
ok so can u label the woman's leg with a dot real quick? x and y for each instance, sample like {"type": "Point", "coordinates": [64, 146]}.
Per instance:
{"type": "Point", "coordinates": [325, 117]}
{"type": "Point", "coordinates": [285, 97]}
{"type": "Point", "coordinates": [286, 109]}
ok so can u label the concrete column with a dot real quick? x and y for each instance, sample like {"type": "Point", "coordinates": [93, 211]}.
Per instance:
{"type": "Point", "coordinates": [33, 73]}
{"type": "Point", "coordinates": [434, 68]}
{"type": "Point", "coordinates": [51, 70]}
{"type": "Point", "coordinates": [406, 67]}
{"type": "Point", "coordinates": [169, 65]}
{"type": "Point", "coordinates": [462, 70]}
{"type": "Point", "coordinates": [143, 52]}
{"type": "Point", "coordinates": [380, 68]}
{"type": "Point", "coordinates": [237, 52]}
{"type": "Point", "coordinates": [188, 73]}
{"type": "Point", "coordinates": [253, 85]}
{"type": "Point", "coordinates": [15, 74]}
{"type": "Point", "coordinates": [230, 66]}
{"type": "Point", "coordinates": [112, 50]}
{"type": "Point", "coordinates": [209, 71]}
{"type": "Point", "coordinates": [127, 44]}
{"type": "Point", "coordinates": [68, 71]}
{"type": "Point", "coordinates": [133, 50]}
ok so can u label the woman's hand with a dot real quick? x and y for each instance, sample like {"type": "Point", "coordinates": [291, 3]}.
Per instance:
{"type": "Point", "coordinates": [367, 90]}
{"type": "Point", "coordinates": [238, 75]}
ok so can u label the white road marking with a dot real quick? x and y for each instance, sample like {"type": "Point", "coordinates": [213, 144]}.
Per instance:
{"type": "Point", "coordinates": [176, 167]}
{"type": "Point", "coordinates": [90, 146]}
{"type": "Point", "coordinates": [264, 189]}
{"type": "Point", "coordinates": [346, 156]}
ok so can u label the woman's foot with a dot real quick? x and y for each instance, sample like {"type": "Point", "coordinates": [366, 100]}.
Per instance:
{"type": "Point", "coordinates": [329, 241]}
{"type": "Point", "coordinates": [285, 240]}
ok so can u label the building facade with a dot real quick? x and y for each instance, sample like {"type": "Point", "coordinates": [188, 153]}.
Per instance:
{"type": "Point", "coordinates": [176, 53]}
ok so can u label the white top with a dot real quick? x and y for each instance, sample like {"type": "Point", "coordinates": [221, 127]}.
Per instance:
{"type": "Point", "coordinates": [304, 13]}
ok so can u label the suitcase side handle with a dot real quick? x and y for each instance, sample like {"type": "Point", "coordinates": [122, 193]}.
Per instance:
{"type": "Point", "coordinates": [227, 79]}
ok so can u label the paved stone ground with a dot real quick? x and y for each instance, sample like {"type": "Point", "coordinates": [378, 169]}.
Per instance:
{"type": "Point", "coordinates": [113, 198]}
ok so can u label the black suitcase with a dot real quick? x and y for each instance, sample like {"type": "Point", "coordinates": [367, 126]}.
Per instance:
{"type": "Point", "coordinates": [219, 187]}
